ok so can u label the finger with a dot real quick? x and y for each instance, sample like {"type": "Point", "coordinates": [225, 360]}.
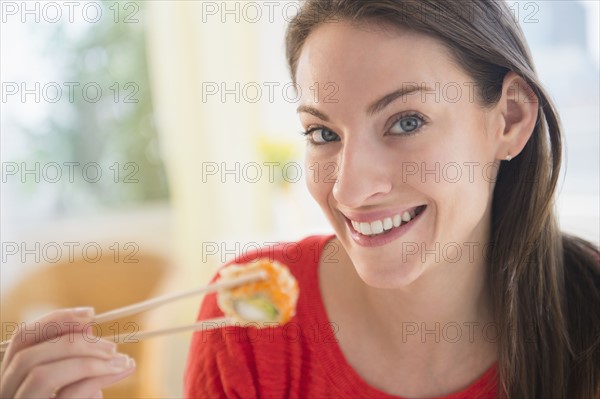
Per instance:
{"type": "Point", "coordinates": [48, 352]}
{"type": "Point", "coordinates": [86, 388]}
{"type": "Point", "coordinates": [43, 380]}
{"type": "Point", "coordinates": [48, 327]}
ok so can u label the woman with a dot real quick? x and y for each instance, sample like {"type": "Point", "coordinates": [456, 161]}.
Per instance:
{"type": "Point", "coordinates": [434, 154]}
{"type": "Point", "coordinates": [437, 119]}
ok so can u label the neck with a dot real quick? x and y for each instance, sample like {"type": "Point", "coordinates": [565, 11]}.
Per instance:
{"type": "Point", "coordinates": [442, 316]}
{"type": "Point", "coordinates": [445, 297]}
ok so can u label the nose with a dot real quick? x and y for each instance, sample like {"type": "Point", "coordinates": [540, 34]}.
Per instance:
{"type": "Point", "coordinates": [364, 173]}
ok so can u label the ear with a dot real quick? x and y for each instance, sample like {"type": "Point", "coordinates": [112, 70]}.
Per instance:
{"type": "Point", "coordinates": [518, 112]}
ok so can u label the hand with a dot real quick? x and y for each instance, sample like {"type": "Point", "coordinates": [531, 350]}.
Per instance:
{"type": "Point", "coordinates": [54, 356]}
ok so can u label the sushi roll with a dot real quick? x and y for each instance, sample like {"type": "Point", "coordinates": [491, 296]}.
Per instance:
{"type": "Point", "coordinates": [265, 301]}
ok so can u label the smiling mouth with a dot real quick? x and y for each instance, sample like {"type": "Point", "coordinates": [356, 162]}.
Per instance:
{"type": "Point", "coordinates": [386, 225]}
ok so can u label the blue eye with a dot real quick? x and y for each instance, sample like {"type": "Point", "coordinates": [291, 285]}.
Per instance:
{"type": "Point", "coordinates": [320, 135]}
{"type": "Point", "coordinates": [407, 124]}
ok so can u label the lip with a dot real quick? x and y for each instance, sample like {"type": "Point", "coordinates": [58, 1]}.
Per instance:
{"type": "Point", "coordinates": [380, 215]}
{"type": "Point", "coordinates": [385, 238]}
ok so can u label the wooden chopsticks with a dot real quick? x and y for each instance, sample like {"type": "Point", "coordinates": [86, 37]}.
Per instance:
{"type": "Point", "coordinates": [204, 325]}
{"type": "Point", "coordinates": [156, 302]}
{"type": "Point", "coordinates": [159, 301]}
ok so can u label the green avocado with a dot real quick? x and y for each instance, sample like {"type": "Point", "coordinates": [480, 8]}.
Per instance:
{"type": "Point", "coordinates": [257, 308]}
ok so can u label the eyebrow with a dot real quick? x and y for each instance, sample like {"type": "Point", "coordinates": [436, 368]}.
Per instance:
{"type": "Point", "coordinates": [374, 108]}
{"type": "Point", "coordinates": [313, 111]}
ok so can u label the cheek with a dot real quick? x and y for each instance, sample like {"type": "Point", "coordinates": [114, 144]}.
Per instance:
{"type": "Point", "coordinates": [320, 178]}
{"type": "Point", "coordinates": [455, 173]}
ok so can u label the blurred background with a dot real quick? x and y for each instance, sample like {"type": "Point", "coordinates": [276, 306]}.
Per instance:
{"type": "Point", "coordinates": [144, 143]}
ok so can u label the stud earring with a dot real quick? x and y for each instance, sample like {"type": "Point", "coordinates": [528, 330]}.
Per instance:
{"type": "Point", "coordinates": [508, 157]}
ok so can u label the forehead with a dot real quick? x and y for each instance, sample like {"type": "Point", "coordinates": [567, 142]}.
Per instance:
{"type": "Point", "coordinates": [370, 59]}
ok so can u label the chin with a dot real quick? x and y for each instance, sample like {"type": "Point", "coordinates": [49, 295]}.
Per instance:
{"type": "Point", "coordinates": [392, 276]}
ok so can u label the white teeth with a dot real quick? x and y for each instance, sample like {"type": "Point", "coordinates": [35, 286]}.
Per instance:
{"type": "Point", "coordinates": [377, 227]}
{"type": "Point", "coordinates": [387, 224]}
{"type": "Point", "coordinates": [406, 216]}
{"type": "Point", "coordinates": [365, 228]}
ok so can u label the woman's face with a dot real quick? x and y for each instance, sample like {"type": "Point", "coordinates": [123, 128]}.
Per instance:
{"type": "Point", "coordinates": [377, 159]}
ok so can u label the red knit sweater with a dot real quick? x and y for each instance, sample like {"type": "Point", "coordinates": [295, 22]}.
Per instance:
{"type": "Point", "coordinates": [300, 359]}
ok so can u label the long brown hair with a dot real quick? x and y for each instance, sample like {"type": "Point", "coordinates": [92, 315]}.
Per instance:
{"type": "Point", "coordinates": [545, 284]}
